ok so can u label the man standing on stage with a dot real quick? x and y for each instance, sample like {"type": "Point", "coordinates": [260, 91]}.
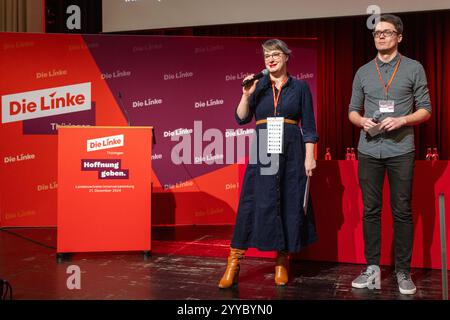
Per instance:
{"type": "Point", "coordinates": [386, 89]}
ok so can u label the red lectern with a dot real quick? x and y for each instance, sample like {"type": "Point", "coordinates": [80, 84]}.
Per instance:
{"type": "Point", "coordinates": [104, 189]}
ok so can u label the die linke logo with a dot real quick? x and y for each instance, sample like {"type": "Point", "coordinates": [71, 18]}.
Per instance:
{"type": "Point", "coordinates": [46, 102]}
{"type": "Point", "coordinates": [106, 168]}
{"type": "Point", "coordinates": [105, 143]}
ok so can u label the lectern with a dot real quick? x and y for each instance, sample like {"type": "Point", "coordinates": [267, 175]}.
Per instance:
{"type": "Point", "coordinates": [104, 189]}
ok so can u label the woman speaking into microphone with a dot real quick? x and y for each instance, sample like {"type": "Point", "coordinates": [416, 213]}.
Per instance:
{"type": "Point", "coordinates": [270, 215]}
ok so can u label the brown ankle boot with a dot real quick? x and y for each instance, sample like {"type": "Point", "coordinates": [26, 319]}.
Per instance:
{"type": "Point", "coordinates": [231, 274]}
{"type": "Point", "coordinates": [281, 269]}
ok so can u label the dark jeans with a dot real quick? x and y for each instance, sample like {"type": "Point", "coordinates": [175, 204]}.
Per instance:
{"type": "Point", "coordinates": [371, 173]}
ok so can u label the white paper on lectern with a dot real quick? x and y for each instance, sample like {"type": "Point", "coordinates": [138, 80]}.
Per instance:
{"type": "Point", "coordinates": [306, 196]}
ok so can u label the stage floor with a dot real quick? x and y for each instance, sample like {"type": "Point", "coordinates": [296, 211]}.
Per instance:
{"type": "Point", "coordinates": [186, 263]}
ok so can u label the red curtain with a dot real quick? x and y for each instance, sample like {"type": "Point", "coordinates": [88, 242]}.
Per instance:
{"type": "Point", "coordinates": [345, 44]}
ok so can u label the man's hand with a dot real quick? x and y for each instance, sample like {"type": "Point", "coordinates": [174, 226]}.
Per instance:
{"type": "Point", "coordinates": [367, 123]}
{"type": "Point", "coordinates": [391, 123]}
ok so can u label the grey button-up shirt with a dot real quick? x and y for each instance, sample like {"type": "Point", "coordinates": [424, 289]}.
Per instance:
{"type": "Point", "coordinates": [408, 87]}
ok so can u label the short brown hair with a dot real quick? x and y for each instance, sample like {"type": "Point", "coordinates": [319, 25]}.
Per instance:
{"type": "Point", "coordinates": [274, 44]}
{"type": "Point", "coordinates": [394, 20]}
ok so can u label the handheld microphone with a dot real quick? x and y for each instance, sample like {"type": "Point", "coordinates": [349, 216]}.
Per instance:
{"type": "Point", "coordinates": [375, 130]}
{"type": "Point", "coordinates": [124, 111]}
{"type": "Point", "coordinates": [376, 116]}
{"type": "Point", "coordinates": [257, 76]}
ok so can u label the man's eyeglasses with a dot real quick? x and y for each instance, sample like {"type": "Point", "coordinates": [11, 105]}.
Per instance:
{"type": "Point", "coordinates": [274, 55]}
{"type": "Point", "coordinates": [386, 33]}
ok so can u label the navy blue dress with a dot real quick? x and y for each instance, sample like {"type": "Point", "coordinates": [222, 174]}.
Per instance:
{"type": "Point", "coordinates": [270, 214]}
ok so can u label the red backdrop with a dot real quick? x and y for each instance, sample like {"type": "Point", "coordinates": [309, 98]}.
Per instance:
{"type": "Point", "coordinates": [39, 67]}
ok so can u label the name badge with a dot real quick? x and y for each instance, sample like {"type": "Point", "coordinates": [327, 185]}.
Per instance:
{"type": "Point", "coordinates": [275, 127]}
{"type": "Point", "coordinates": [387, 106]}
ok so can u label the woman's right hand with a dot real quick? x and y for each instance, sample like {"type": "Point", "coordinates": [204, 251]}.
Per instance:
{"type": "Point", "coordinates": [248, 90]}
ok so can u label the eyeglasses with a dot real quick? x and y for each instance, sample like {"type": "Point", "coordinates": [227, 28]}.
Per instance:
{"type": "Point", "coordinates": [386, 33]}
{"type": "Point", "coordinates": [274, 55]}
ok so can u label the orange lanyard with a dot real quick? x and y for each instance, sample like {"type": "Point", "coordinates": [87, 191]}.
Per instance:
{"type": "Point", "coordinates": [386, 87]}
{"type": "Point", "coordinates": [276, 97]}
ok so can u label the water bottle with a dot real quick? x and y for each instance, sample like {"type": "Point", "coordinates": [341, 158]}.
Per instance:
{"type": "Point", "coordinates": [348, 156]}
{"type": "Point", "coordinates": [435, 155]}
{"type": "Point", "coordinates": [352, 154]}
{"type": "Point", "coordinates": [328, 154]}
{"type": "Point", "coordinates": [429, 155]}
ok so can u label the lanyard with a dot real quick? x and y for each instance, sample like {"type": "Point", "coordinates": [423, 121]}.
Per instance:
{"type": "Point", "coordinates": [386, 87]}
{"type": "Point", "coordinates": [276, 97]}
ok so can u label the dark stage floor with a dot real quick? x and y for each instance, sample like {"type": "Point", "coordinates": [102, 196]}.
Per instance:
{"type": "Point", "coordinates": [186, 263]}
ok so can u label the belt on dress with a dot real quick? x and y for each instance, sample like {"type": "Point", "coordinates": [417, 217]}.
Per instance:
{"type": "Point", "coordinates": [290, 121]}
